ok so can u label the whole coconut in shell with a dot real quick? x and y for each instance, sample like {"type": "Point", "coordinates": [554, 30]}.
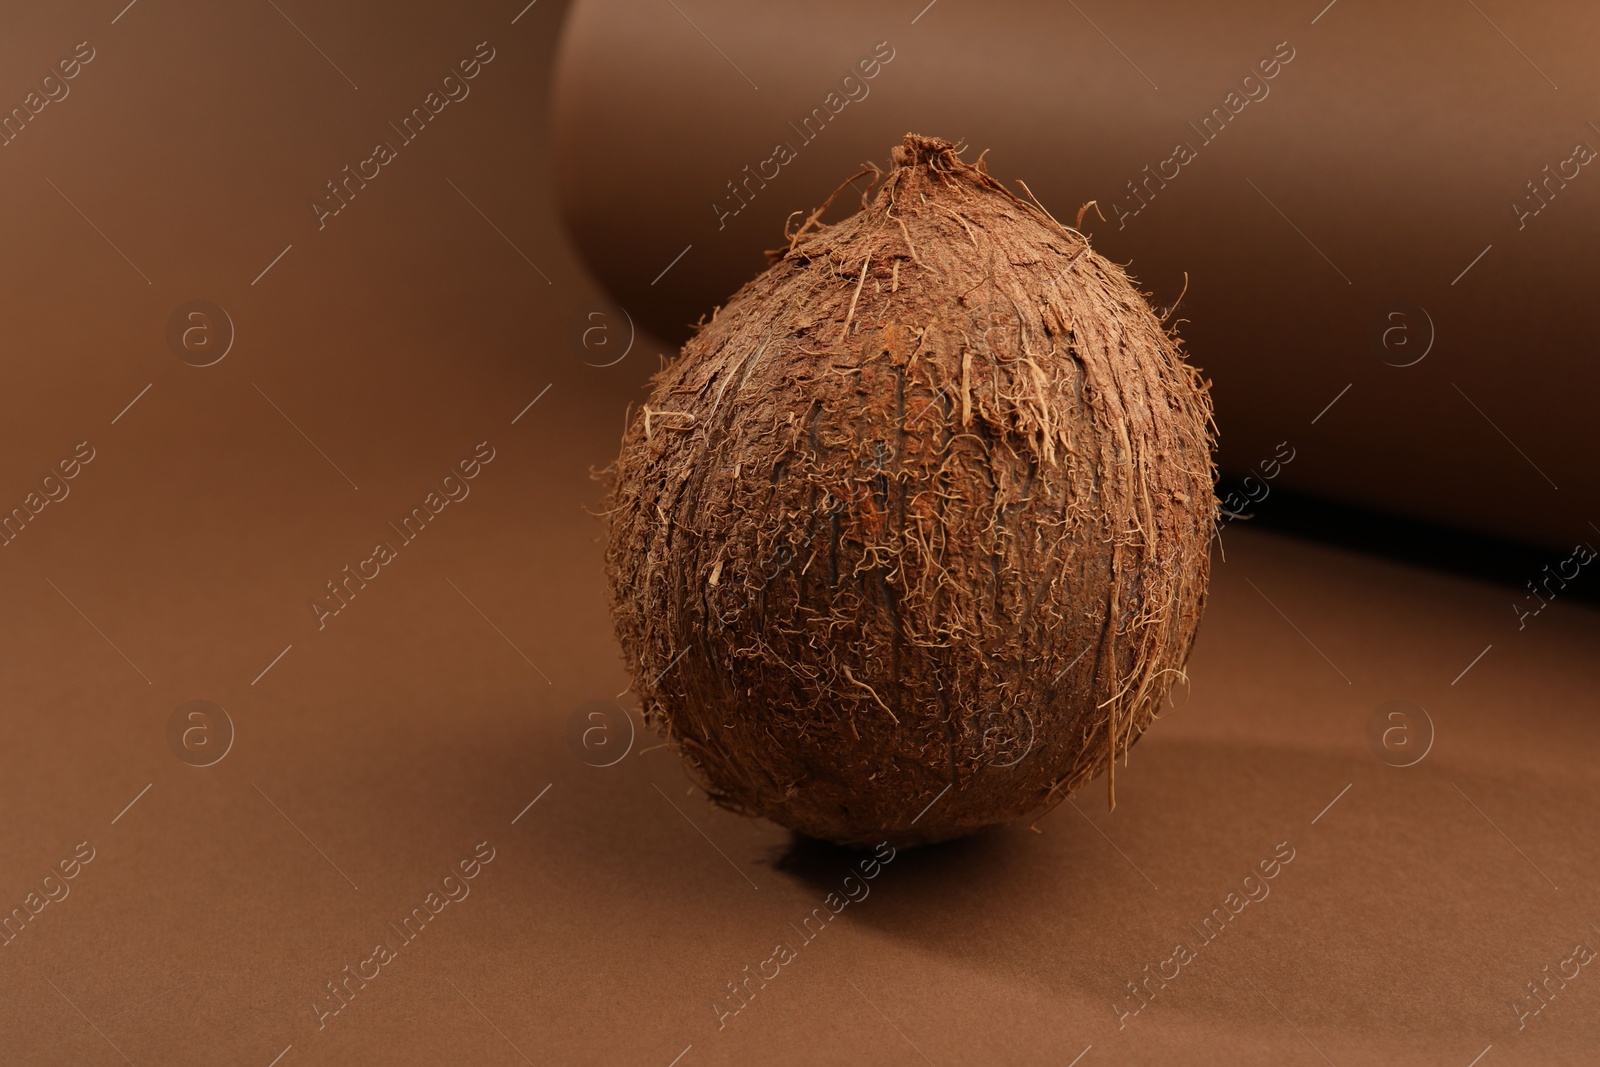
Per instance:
{"type": "Point", "coordinates": [912, 537]}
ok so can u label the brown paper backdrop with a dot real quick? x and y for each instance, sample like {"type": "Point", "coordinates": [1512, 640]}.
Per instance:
{"type": "Point", "coordinates": [1377, 166]}
{"type": "Point", "coordinates": [370, 756]}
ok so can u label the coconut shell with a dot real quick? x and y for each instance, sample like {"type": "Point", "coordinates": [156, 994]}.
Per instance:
{"type": "Point", "coordinates": [912, 537]}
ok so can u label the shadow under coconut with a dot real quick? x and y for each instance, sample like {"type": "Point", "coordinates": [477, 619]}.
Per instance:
{"type": "Point", "coordinates": [1072, 909]}
{"type": "Point", "coordinates": [822, 864]}
{"type": "Point", "coordinates": [989, 899]}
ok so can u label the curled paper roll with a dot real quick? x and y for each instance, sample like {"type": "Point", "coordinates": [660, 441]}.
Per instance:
{"type": "Point", "coordinates": [1381, 221]}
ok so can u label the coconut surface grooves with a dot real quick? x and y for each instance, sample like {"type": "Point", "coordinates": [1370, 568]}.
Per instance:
{"type": "Point", "coordinates": [912, 537]}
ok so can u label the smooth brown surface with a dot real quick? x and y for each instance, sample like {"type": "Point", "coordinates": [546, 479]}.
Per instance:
{"type": "Point", "coordinates": [1375, 166]}
{"type": "Point", "coordinates": [383, 748]}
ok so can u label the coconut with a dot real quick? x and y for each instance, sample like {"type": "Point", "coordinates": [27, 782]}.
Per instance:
{"type": "Point", "coordinates": [912, 537]}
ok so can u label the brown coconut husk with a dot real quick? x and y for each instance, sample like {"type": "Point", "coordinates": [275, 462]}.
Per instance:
{"type": "Point", "coordinates": [935, 484]}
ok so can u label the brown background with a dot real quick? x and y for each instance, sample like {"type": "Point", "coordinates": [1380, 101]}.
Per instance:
{"type": "Point", "coordinates": [378, 751]}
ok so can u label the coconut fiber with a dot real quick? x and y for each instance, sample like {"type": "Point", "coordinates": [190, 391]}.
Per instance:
{"type": "Point", "coordinates": [912, 537]}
